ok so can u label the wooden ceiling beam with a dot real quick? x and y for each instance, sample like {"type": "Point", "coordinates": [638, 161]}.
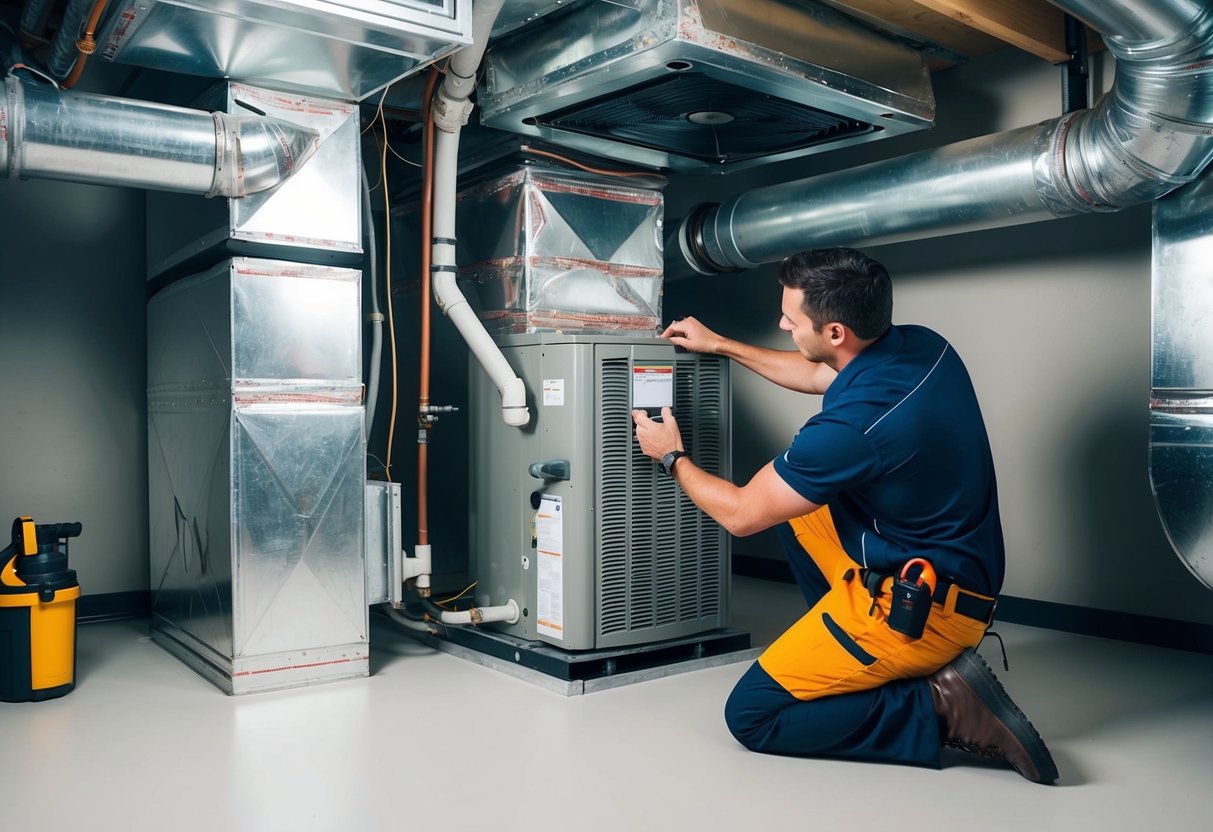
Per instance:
{"type": "Point", "coordinates": [1032, 25]}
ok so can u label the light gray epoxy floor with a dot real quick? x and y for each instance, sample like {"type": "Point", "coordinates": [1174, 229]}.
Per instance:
{"type": "Point", "coordinates": [433, 741]}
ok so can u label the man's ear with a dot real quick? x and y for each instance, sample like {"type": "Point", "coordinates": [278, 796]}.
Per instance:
{"type": "Point", "coordinates": [837, 333]}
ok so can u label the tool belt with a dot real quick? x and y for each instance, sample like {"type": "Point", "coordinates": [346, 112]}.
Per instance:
{"type": "Point", "coordinates": [968, 603]}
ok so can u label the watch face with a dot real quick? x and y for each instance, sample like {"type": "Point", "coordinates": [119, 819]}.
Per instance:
{"type": "Point", "coordinates": [667, 461]}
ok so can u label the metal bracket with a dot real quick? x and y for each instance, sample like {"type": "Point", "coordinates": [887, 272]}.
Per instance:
{"type": "Point", "coordinates": [1078, 72]}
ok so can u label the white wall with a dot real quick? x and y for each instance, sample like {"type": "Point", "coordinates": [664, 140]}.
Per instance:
{"type": "Point", "coordinates": [1053, 321]}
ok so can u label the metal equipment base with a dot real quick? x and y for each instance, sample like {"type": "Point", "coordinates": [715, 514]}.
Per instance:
{"type": "Point", "coordinates": [586, 671]}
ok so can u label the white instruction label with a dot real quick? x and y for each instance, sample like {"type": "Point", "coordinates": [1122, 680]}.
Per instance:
{"type": "Point", "coordinates": [652, 386]}
{"type": "Point", "coordinates": [549, 562]}
{"type": "Point", "coordinates": [553, 392]}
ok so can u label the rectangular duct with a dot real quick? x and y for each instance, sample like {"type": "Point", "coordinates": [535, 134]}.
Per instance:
{"type": "Point", "coordinates": [704, 85]}
{"type": "Point", "coordinates": [616, 554]}
{"type": "Point", "coordinates": [256, 474]}
{"type": "Point", "coordinates": [345, 49]}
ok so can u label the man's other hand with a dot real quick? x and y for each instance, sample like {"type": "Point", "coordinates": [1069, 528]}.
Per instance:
{"type": "Point", "coordinates": [657, 438]}
{"type": "Point", "coordinates": [690, 334]}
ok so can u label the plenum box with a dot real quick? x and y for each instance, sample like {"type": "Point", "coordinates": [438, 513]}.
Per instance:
{"type": "Point", "coordinates": [315, 216]}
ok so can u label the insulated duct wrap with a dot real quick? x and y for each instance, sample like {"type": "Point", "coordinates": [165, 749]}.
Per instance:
{"type": "Point", "coordinates": [1151, 134]}
{"type": "Point", "coordinates": [100, 140]}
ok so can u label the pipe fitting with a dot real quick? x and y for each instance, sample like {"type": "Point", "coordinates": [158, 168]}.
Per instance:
{"type": "Point", "coordinates": [10, 121]}
{"type": "Point", "coordinates": [513, 404]}
{"type": "Point", "coordinates": [450, 115]}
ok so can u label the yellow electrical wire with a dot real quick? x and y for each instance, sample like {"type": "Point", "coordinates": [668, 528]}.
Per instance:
{"type": "Point", "coordinates": [446, 601]}
{"type": "Point", "coordinates": [387, 281]}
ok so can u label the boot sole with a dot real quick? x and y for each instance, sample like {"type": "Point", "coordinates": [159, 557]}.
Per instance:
{"type": "Point", "coordinates": [982, 681]}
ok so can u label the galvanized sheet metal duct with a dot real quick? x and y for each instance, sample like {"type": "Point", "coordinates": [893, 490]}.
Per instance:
{"type": "Point", "coordinates": [96, 139]}
{"type": "Point", "coordinates": [1181, 384]}
{"type": "Point", "coordinates": [1151, 134]}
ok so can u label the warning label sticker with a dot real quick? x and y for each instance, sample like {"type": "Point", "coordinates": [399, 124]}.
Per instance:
{"type": "Point", "coordinates": [549, 540]}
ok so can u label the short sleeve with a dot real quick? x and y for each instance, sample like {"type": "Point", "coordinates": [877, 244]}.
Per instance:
{"type": "Point", "coordinates": [825, 458]}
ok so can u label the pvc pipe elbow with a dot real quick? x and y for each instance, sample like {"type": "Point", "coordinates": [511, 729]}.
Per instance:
{"type": "Point", "coordinates": [513, 404]}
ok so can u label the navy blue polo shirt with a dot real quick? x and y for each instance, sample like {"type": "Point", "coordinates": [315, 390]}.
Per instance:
{"type": "Point", "coordinates": [899, 453]}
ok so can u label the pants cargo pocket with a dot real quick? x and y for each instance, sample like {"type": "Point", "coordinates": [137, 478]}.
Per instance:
{"type": "Point", "coordinates": [846, 642]}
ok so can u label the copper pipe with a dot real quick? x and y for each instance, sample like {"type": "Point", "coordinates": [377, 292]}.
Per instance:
{"type": "Point", "coordinates": [86, 44]}
{"type": "Point", "coordinates": [423, 401]}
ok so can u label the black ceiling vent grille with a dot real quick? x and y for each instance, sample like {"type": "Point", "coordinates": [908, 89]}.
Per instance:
{"type": "Point", "coordinates": [700, 117]}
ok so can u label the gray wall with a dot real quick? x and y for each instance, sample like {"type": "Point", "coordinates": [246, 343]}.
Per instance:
{"type": "Point", "coordinates": [1053, 321]}
{"type": "Point", "coordinates": [72, 368]}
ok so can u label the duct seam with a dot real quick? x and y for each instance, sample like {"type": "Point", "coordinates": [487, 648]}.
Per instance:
{"type": "Point", "coordinates": [225, 155]}
{"type": "Point", "coordinates": [10, 128]}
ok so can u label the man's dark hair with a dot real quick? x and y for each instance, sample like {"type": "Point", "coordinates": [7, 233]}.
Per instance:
{"type": "Point", "coordinates": [843, 285]}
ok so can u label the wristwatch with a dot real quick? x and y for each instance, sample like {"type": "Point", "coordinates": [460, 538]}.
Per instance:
{"type": "Point", "coordinates": [667, 461]}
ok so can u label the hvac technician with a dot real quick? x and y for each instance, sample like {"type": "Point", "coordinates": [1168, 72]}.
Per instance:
{"type": "Point", "coordinates": [895, 467]}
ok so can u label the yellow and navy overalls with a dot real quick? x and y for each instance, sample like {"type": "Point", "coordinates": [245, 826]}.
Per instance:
{"type": "Point", "coordinates": [900, 461]}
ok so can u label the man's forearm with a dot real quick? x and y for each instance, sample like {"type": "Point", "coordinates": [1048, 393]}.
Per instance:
{"type": "Point", "coordinates": [716, 497]}
{"type": "Point", "coordinates": [787, 368]}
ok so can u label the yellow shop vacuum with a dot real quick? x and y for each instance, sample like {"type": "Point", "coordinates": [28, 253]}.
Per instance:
{"type": "Point", "coordinates": [37, 613]}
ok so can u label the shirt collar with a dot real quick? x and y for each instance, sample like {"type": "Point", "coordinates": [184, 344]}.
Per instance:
{"type": "Point", "coordinates": [879, 351]}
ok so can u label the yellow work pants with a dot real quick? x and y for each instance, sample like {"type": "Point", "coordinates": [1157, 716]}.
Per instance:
{"type": "Point", "coordinates": [844, 642]}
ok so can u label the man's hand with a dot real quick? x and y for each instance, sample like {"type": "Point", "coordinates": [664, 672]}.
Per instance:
{"type": "Point", "coordinates": [692, 335]}
{"type": "Point", "coordinates": [657, 438]}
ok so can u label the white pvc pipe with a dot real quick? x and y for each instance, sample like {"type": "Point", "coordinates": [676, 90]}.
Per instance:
{"type": "Point", "coordinates": [507, 612]}
{"type": "Point", "coordinates": [451, 111]}
{"type": "Point", "coordinates": [418, 567]}
{"type": "Point", "coordinates": [461, 79]}
{"type": "Point", "coordinates": [446, 290]}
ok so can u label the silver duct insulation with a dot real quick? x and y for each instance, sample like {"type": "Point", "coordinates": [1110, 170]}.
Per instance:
{"type": "Point", "coordinates": [34, 17]}
{"type": "Point", "coordinates": [1151, 134]}
{"type": "Point", "coordinates": [95, 139]}
{"type": "Point", "coordinates": [63, 52]}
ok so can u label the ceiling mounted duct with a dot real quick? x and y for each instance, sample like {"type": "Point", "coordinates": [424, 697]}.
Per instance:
{"type": "Point", "coordinates": [347, 49]}
{"type": "Point", "coordinates": [704, 85]}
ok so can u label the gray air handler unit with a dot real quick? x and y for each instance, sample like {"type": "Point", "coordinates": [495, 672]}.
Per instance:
{"type": "Point", "coordinates": [256, 479]}
{"type": "Point", "coordinates": [592, 539]}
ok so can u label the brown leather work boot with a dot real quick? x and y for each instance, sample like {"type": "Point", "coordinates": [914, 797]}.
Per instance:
{"type": "Point", "coordinates": [980, 717]}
